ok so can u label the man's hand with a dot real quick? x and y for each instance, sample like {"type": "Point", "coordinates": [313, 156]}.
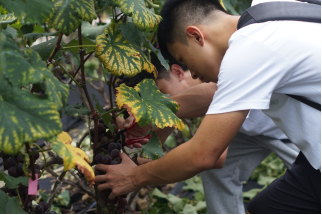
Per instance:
{"type": "Point", "coordinates": [137, 131]}
{"type": "Point", "coordinates": [119, 177]}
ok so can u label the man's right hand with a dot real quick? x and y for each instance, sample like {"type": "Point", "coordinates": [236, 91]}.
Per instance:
{"type": "Point", "coordinates": [135, 132]}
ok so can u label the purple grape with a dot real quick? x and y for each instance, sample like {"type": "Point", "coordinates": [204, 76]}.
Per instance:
{"type": "Point", "coordinates": [104, 140]}
{"type": "Point", "coordinates": [100, 127]}
{"type": "Point", "coordinates": [101, 121]}
{"type": "Point", "coordinates": [20, 168]}
{"type": "Point", "coordinates": [105, 193]}
{"type": "Point", "coordinates": [98, 158]}
{"type": "Point", "coordinates": [111, 146]}
{"type": "Point", "coordinates": [119, 210]}
{"type": "Point", "coordinates": [44, 205]}
{"type": "Point", "coordinates": [106, 159]}
{"type": "Point", "coordinates": [115, 153]}
{"type": "Point", "coordinates": [39, 209]}
{"type": "Point", "coordinates": [113, 201]}
{"type": "Point", "coordinates": [10, 162]}
{"type": "Point", "coordinates": [19, 158]}
{"type": "Point", "coordinates": [13, 171]}
{"type": "Point", "coordinates": [35, 155]}
{"type": "Point", "coordinates": [119, 146]}
{"type": "Point", "coordinates": [113, 162]}
{"type": "Point", "coordinates": [122, 202]}
{"type": "Point", "coordinates": [118, 160]}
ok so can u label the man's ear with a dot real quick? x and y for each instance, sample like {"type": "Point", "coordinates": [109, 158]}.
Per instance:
{"type": "Point", "coordinates": [177, 71]}
{"type": "Point", "coordinates": [194, 33]}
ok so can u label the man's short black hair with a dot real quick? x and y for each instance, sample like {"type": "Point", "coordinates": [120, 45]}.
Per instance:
{"type": "Point", "coordinates": [178, 14]}
{"type": "Point", "coordinates": [162, 72]}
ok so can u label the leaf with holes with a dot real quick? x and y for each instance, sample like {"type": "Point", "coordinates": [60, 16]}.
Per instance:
{"type": "Point", "coordinates": [143, 17]}
{"type": "Point", "coordinates": [68, 14]}
{"type": "Point", "coordinates": [25, 117]}
{"type": "Point", "coordinates": [149, 105]}
{"type": "Point", "coordinates": [72, 156]}
{"type": "Point", "coordinates": [33, 11]}
{"type": "Point", "coordinates": [57, 91]}
{"type": "Point", "coordinates": [153, 149]}
{"type": "Point", "coordinates": [117, 54]}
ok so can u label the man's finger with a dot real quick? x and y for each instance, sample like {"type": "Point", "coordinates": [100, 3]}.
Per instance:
{"type": "Point", "coordinates": [104, 186]}
{"type": "Point", "coordinates": [137, 145]}
{"type": "Point", "coordinates": [129, 122]}
{"type": "Point", "coordinates": [112, 195]}
{"type": "Point", "coordinates": [100, 179]}
{"type": "Point", "coordinates": [101, 167]}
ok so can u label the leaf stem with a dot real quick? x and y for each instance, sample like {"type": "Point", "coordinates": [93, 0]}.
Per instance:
{"type": "Point", "coordinates": [88, 56]}
{"type": "Point", "coordinates": [17, 191]}
{"type": "Point", "coordinates": [68, 47]}
{"type": "Point", "coordinates": [107, 112]}
{"type": "Point", "coordinates": [79, 93]}
{"type": "Point", "coordinates": [69, 75]}
{"type": "Point", "coordinates": [151, 4]}
{"type": "Point", "coordinates": [119, 113]}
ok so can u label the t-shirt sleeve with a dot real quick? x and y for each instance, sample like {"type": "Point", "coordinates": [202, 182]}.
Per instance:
{"type": "Point", "coordinates": [249, 74]}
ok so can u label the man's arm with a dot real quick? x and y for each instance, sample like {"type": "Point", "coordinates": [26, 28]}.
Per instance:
{"type": "Point", "coordinates": [198, 154]}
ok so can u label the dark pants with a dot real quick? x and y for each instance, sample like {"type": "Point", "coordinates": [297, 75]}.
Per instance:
{"type": "Point", "coordinates": [297, 191]}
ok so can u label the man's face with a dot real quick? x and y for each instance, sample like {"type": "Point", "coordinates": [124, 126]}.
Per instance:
{"type": "Point", "coordinates": [202, 61]}
{"type": "Point", "coordinates": [171, 86]}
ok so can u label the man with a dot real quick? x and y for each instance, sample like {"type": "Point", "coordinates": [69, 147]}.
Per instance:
{"type": "Point", "coordinates": [255, 68]}
{"type": "Point", "coordinates": [256, 139]}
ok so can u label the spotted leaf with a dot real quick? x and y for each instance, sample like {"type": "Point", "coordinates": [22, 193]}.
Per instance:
{"type": "Point", "coordinates": [153, 149]}
{"type": "Point", "coordinates": [7, 19]}
{"type": "Point", "coordinates": [143, 17]}
{"type": "Point", "coordinates": [57, 92]}
{"type": "Point", "coordinates": [72, 156]}
{"type": "Point", "coordinates": [25, 117]}
{"type": "Point", "coordinates": [68, 14]}
{"type": "Point", "coordinates": [149, 105]}
{"type": "Point", "coordinates": [116, 53]}
{"type": "Point", "coordinates": [33, 11]}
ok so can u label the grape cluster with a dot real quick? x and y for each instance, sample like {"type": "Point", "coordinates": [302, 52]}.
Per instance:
{"type": "Point", "coordinates": [111, 156]}
{"type": "Point", "coordinates": [42, 208]}
{"type": "Point", "coordinates": [103, 135]}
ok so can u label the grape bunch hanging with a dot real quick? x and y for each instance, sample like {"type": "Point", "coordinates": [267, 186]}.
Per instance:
{"type": "Point", "coordinates": [14, 165]}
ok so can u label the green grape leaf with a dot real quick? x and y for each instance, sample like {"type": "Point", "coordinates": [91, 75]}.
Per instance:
{"type": "Point", "coordinates": [194, 184]}
{"type": "Point", "coordinates": [131, 33]}
{"type": "Point", "coordinates": [72, 156]}
{"type": "Point", "coordinates": [10, 31]}
{"type": "Point", "coordinates": [149, 105]}
{"type": "Point", "coordinates": [189, 209]}
{"type": "Point", "coordinates": [6, 19]}
{"type": "Point", "coordinates": [91, 31]}
{"type": "Point", "coordinates": [10, 205]}
{"type": "Point", "coordinates": [19, 70]}
{"type": "Point", "coordinates": [33, 11]}
{"type": "Point", "coordinates": [45, 49]}
{"type": "Point", "coordinates": [104, 4]}
{"type": "Point", "coordinates": [35, 36]}
{"type": "Point", "coordinates": [57, 92]}
{"type": "Point", "coordinates": [153, 149]}
{"type": "Point", "coordinates": [68, 14]}
{"type": "Point", "coordinates": [143, 17]}
{"type": "Point", "coordinates": [117, 54]}
{"type": "Point", "coordinates": [12, 182]}
{"type": "Point", "coordinates": [25, 117]}
{"type": "Point", "coordinates": [81, 109]}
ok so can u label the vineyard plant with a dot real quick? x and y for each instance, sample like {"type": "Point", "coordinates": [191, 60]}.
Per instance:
{"type": "Point", "coordinates": [50, 48]}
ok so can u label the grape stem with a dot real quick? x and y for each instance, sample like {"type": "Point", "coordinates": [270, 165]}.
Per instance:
{"type": "Point", "coordinates": [88, 56]}
{"type": "Point", "coordinates": [42, 152]}
{"type": "Point", "coordinates": [108, 112]}
{"type": "Point", "coordinates": [57, 186]}
{"type": "Point", "coordinates": [19, 197]}
{"type": "Point", "coordinates": [119, 113]}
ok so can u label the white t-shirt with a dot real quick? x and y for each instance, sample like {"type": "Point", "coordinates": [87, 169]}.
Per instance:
{"type": "Point", "coordinates": [257, 123]}
{"type": "Point", "coordinates": [264, 62]}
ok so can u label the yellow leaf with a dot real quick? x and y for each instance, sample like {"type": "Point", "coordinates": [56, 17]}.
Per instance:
{"type": "Point", "coordinates": [72, 156]}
